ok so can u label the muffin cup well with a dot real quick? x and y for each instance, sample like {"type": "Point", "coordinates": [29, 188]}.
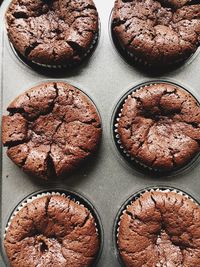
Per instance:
{"type": "Point", "coordinates": [133, 198]}
{"type": "Point", "coordinates": [133, 162]}
{"type": "Point", "coordinates": [74, 196]}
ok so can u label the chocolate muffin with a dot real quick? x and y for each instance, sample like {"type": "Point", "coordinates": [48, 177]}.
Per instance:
{"type": "Point", "coordinates": [52, 231]}
{"type": "Point", "coordinates": [59, 32]}
{"type": "Point", "coordinates": [161, 32]}
{"type": "Point", "coordinates": [160, 229]}
{"type": "Point", "coordinates": [159, 126]}
{"type": "Point", "coordinates": [51, 129]}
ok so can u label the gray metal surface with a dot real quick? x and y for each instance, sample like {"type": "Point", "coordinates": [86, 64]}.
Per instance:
{"type": "Point", "coordinates": [107, 181]}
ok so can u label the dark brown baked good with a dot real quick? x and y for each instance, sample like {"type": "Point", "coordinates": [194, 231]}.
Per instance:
{"type": "Point", "coordinates": [52, 231]}
{"type": "Point", "coordinates": [51, 32]}
{"type": "Point", "coordinates": [158, 32]}
{"type": "Point", "coordinates": [160, 229]}
{"type": "Point", "coordinates": [51, 129]}
{"type": "Point", "coordinates": [160, 126]}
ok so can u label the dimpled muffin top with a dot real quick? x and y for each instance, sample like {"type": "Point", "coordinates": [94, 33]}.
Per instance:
{"type": "Point", "coordinates": [157, 32]}
{"type": "Point", "coordinates": [52, 32]}
{"type": "Point", "coordinates": [160, 229]}
{"type": "Point", "coordinates": [51, 129]}
{"type": "Point", "coordinates": [52, 231]}
{"type": "Point", "coordinates": [160, 126]}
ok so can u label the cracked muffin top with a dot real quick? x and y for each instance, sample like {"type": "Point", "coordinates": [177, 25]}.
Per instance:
{"type": "Point", "coordinates": [51, 129]}
{"type": "Point", "coordinates": [58, 32]}
{"type": "Point", "coordinates": [159, 32]}
{"type": "Point", "coordinates": [52, 231]}
{"type": "Point", "coordinates": [159, 126]}
{"type": "Point", "coordinates": [160, 229]}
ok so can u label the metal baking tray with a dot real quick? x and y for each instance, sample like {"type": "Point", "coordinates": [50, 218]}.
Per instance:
{"type": "Point", "coordinates": [108, 181]}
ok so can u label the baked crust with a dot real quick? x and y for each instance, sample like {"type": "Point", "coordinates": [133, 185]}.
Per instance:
{"type": "Point", "coordinates": [52, 32]}
{"type": "Point", "coordinates": [160, 126]}
{"type": "Point", "coordinates": [160, 229]}
{"type": "Point", "coordinates": [51, 129]}
{"type": "Point", "coordinates": [52, 231]}
{"type": "Point", "coordinates": [157, 32]}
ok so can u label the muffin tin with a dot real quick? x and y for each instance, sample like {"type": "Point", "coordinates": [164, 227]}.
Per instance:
{"type": "Point", "coordinates": [107, 180]}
